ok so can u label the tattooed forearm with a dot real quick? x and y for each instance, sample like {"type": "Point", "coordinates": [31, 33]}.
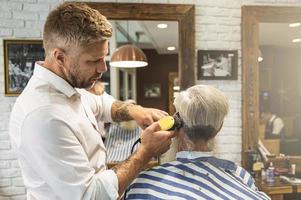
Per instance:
{"type": "Point", "coordinates": [126, 176]}
{"type": "Point", "coordinates": [120, 111]}
{"type": "Point", "coordinates": [128, 170]}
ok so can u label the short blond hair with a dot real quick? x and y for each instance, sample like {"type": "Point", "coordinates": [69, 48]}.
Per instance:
{"type": "Point", "coordinates": [74, 24]}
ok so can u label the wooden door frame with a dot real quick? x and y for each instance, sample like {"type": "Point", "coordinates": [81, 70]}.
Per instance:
{"type": "Point", "coordinates": [184, 14]}
{"type": "Point", "coordinates": [251, 17]}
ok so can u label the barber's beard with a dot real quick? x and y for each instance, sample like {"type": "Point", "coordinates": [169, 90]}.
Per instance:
{"type": "Point", "coordinates": [69, 77]}
{"type": "Point", "coordinates": [76, 79]}
{"type": "Point", "coordinates": [72, 76]}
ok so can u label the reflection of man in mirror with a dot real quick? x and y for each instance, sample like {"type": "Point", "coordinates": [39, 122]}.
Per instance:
{"type": "Point", "coordinates": [274, 126]}
{"type": "Point", "coordinates": [120, 137]}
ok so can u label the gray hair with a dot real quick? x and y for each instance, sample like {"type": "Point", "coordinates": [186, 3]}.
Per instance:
{"type": "Point", "coordinates": [202, 107]}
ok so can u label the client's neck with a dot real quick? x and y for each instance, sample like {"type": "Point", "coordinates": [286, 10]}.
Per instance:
{"type": "Point", "coordinates": [201, 145]}
{"type": "Point", "coordinates": [185, 144]}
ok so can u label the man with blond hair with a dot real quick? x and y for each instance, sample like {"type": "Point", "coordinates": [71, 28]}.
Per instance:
{"type": "Point", "coordinates": [54, 121]}
{"type": "Point", "coordinates": [196, 173]}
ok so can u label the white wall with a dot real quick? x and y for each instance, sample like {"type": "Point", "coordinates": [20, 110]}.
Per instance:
{"type": "Point", "coordinates": [217, 27]}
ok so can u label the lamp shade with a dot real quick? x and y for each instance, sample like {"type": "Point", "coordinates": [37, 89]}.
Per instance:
{"type": "Point", "coordinates": [128, 56]}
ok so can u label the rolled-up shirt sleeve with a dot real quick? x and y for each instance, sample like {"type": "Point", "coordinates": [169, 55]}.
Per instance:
{"type": "Point", "coordinates": [60, 160]}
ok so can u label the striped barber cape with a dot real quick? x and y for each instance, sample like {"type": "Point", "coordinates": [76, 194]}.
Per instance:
{"type": "Point", "coordinates": [195, 175]}
{"type": "Point", "coordinates": [119, 142]}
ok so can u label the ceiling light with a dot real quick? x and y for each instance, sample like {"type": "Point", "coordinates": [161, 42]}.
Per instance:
{"type": "Point", "coordinates": [162, 25]}
{"type": "Point", "coordinates": [296, 40]}
{"type": "Point", "coordinates": [171, 48]}
{"type": "Point", "coordinates": [177, 88]}
{"type": "Point", "coordinates": [128, 56]}
{"type": "Point", "coordinates": [260, 59]}
{"type": "Point", "coordinates": [293, 25]}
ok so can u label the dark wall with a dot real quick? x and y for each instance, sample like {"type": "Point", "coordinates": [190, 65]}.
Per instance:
{"type": "Point", "coordinates": [157, 71]}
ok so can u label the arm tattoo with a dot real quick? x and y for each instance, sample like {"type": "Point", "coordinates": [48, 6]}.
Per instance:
{"type": "Point", "coordinates": [121, 111]}
{"type": "Point", "coordinates": [128, 170]}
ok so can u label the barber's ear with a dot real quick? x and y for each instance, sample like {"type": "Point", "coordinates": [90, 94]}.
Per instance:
{"type": "Point", "coordinates": [59, 56]}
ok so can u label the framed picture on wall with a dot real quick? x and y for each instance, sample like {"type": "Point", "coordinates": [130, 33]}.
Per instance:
{"type": "Point", "coordinates": [217, 65]}
{"type": "Point", "coordinates": [152, 90]}
{"type": "Point", "coordinates": [19, 60]}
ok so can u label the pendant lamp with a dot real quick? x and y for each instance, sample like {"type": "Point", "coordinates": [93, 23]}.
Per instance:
{"type": "Point", "coordinates": [128, 56]}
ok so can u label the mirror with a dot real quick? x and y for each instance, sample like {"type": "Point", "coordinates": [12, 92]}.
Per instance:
{"type": "Point", "coordinates": [183, 14]}
{"type": "Point", "coordinates": [280, 88]}
{"type": "Point", "coordinates": [149, 85]}
{"type": "Point", "coordinates": [260, 88]}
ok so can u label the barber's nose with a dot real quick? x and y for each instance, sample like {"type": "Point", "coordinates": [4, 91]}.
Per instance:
{"type": "Point", "coordinates": [101, 67]}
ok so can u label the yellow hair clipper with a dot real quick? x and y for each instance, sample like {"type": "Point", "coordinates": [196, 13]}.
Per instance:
{"type": "Point", "coordinates": [170, 123]}
{"type": "Point", "coordinates": [166, 123]}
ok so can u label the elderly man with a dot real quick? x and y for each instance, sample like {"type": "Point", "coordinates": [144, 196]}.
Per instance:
{"type": "Point", "coordinates": [196, 173]}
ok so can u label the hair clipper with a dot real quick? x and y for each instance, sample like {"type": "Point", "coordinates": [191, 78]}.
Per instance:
{"type": "Point", "coordinates": [169, 123]}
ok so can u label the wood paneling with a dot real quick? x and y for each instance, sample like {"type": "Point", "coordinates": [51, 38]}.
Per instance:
{"type": "Point", "coordinates": [172, 81]}
{"type": "Point", "coordinates": [184, 14]}
{"type": "Point", "coordinates": [251, 17]}
{"type": "Point", "coordinates": [157, 72]}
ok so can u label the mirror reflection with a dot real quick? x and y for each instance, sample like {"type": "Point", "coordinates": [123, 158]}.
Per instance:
{"type": "Point", "coordinates": [151, 86]}
{"type": "Point", "coordinates": [280, 88]}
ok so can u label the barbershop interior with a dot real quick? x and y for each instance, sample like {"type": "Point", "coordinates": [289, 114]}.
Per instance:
{"type": "Point", "coordinates": [247, 51]}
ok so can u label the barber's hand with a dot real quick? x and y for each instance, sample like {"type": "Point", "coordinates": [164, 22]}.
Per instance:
{"type": "Point", "coordinates": [155, 142]}
{"type": "Point", "coordinates": [146, 116]}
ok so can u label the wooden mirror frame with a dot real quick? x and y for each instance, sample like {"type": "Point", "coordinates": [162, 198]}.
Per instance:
{"type": "Point", "coordinates": [184, 14]}
{"type": "Point", "coordinates": [251, 17]}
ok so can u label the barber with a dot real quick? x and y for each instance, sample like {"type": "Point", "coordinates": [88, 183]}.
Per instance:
{"type": "Point", "coordinates": [274, 126]}
{"type": "Point", "coordinates": [54, 121]}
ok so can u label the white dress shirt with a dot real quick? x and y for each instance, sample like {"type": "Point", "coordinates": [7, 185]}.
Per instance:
{"type": "Point", "coordinates": [277, 125]}
{"type": "Point", "coordinates": [61, 153]}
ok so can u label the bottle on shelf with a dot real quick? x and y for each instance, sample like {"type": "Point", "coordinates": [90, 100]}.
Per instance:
{"type": "Point", "coordinates": [270, 177]}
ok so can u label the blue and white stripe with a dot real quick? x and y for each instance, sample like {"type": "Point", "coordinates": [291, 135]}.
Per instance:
{"type": "Point", "coordinates": [195, 178]}
{"type": "Point", "coordinates": [119, 142]}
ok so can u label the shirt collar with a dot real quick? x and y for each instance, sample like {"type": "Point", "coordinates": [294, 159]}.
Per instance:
{"type": "Point", "coordinates": [56, 81]}
{"type": "Point", "coordinates": [193, 154]}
